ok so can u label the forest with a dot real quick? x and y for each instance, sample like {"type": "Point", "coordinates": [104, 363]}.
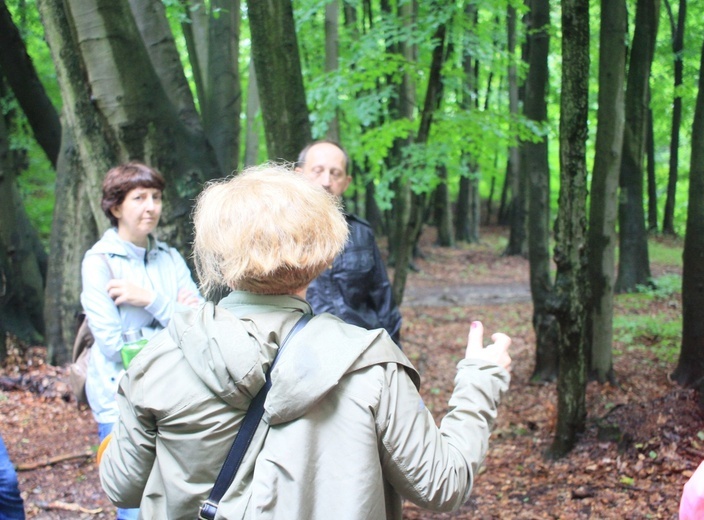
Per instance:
{"type": "Point", "coordinates": [576, 126]}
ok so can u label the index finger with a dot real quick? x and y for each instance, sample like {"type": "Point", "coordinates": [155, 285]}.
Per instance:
{"type": "Point", "coordinates": [475, 338]}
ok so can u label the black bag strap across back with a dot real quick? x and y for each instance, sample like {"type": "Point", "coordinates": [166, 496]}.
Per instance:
{"type": "Point", "coordinates": [245, 434]}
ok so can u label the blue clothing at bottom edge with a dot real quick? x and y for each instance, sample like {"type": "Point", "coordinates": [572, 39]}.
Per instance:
{"type": "Point", "coordinates": [11, 503]}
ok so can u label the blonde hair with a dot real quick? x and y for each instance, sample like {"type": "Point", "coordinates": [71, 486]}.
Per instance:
{"type": "Point", "coordinates": [267, 230]}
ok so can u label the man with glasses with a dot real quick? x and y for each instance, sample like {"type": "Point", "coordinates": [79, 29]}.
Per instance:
{"type": "Point", "coordinates": [355, 287]}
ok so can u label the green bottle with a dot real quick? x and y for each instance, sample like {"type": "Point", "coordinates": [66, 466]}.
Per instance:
{"type": "Point", "coordinates": [133, 343]}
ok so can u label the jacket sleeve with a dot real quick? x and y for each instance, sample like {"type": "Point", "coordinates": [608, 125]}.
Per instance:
{"type": "Point", "coordinates": [184, 275]}
{"type": "Point", "coordinates": [164, 305]}
{"type": "Point", "coordinates": [101, 311]}
{"type": "Point", "coordinates": [383, 299]}
{"type": "Point", "coordinates": [129, 457]}
{"type": "Point", "coordinates": [430, 466]}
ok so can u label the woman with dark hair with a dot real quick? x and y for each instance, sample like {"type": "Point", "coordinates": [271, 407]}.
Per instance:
{"type": "Point", "coordinates": [132, 283]}
{"type": "Point", "coordinates": [345, 433]}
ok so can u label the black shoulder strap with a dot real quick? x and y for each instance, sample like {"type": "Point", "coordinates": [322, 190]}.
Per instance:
{"type": "Point", "coordinates": [245, 434]}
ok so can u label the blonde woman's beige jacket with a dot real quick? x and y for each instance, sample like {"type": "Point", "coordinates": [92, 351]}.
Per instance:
{"type": "Point", "coordinates": [345, 433]}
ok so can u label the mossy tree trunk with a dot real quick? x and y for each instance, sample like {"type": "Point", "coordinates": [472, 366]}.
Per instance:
{"type": "Point", "coordinates": [690, 367]}
{"type": "Point", "coordinates": [537, 169]}
{"type": "Point", "coordinates": [668, 221]}
{"type": "Point", "coordinates": [22, 257]}
{"type": "Point", "coordinates": [516, 176]}
{"type": "Point", "coordinates": [603, 209]}
{"type": "Point", "coordinates": [634, 264]}
{"type": "Point", "coordinates": [279, 78]}
{"type": "Point", "coordinates": [570, 227]}
{"type": "Point", "coordinates": [115, 109]}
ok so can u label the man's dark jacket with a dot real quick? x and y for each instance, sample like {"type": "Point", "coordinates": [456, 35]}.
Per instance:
{"type": "Point", "coordinates": [356, 287]}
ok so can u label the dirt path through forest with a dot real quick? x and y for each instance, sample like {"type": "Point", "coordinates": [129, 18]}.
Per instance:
{"type": "Point", "coordinates": [466, 294]}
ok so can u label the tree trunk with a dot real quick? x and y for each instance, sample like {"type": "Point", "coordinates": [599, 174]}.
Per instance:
{"type": "Point", "coordinates": [17, 67]}
{"type": "Point", "coordinates": [468, 208]}
{"type": "Point", "coordinates": [111, 114]}
{"type": "Point", "coordinates": [603, 208]}
{"type": "Point", "coordinates": [251, 142]}
{"type": "Point", "coordinates": [570, 227]}
{"type": "Point", "coordinates": [154, 29]}
{"type": "Point", "coordinates": [668, 223]}
{"type": "Point", "coordinates": [279, 78]}
{"type": "Point", "coordinates": [73, 231]}
{"type": "Point", "coordinates": [332, 14]}
{"type": "Point", "coordinates": [221, 113]}
{"type": "Point", "coordinates": [517, 242]}
{"type": "Point", "coordinates": [195, 33]}
{"type": "Point", "coordinates": [76, 210]}
{"type": "Point", "coordinates": [372, 213]}
{"type": "Point", "coordinates": [433, 96]}
{"type": "Point", "coordinates": [537, 170]}
{"type": "Point", "coordinates": [143, 123]}
{"type": "Point", "coordinates": [22, 258]}
{"type": "Point", "coordinates": [690, 367]}
{"type": "Point", "coordinates": [468, 203]}
{"type": "Point", "coordinates": [634, 265]}
{"type": "Point", "coordinates": [401, 106]}
{"type": "Point", "coordinates": [504, 205]}
{"type": "Point", "coordinates": [652, 183]}
{"type": "Point", "coordinates": [444, 210]}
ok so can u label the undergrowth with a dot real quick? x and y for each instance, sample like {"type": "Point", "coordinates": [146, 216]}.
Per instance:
{"type": "Point", "coordinates": [660, 333]}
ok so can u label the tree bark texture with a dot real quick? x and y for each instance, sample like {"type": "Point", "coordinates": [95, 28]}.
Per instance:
{"type": "Point", "coordinates": [279, 77]}
{"type": "Point", "coordinates": [22, 259]}
{"type": "Point", "coordinates": [690, 367]}
{"type": "Point", "coordinates": [251, 141]}
{"type": "Point", "coordinates": [668, 223]}
{"type": "Point", "coordinates": [332, 43]}
{"type": "Point", "coordinates": [634, 264]}
{"type": "Point", "coordinates": [444, 210]}
{"type": "Point", "coordinates": [468, 212]}
{"type": "Point", "coordinates": [115, 110]}
{"type": "Point", "coordinates": [537, 170]}
{"type": "Point", "coordinates": [433, 97]}
{"type": "Point", "coordinates": [77, 214]}
{"type": "Point", "coordinates": [603, 209]}
{"type": "Point", "coordinates": [652, 184]}
{"type": "Point", "coordinates": [518, 237]}
{"type": "Point", "coordinates": [158, 39]}
{"type": "Point", "coordinates": [18, 69]}
{"type": "Point", "coordinates": [223, 99]}
{"type": "Point", "coordinates": [399, 107]}
{"type": "Point", "coordinates": [195, 34]}
{"type": "Point", "coordinates": [570, 227]}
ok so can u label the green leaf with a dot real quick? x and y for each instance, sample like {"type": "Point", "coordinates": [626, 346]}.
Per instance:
{"type": "Point", "coordinates": [627, 481]}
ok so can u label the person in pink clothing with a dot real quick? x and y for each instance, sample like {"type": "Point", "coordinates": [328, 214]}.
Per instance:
{"type": "Point", "coordinates": [692, 502]}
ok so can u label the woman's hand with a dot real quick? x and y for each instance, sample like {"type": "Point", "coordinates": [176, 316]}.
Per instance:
{"type": "Point", "coordinates": [187, 297]}
{"type": "Point", "coordinates": [496, 353]}
{"type": "Point", "coordinates": [122, 291]}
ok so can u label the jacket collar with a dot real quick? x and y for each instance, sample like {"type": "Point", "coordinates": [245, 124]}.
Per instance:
{"type": "Point", "coordinates": [112, 245]}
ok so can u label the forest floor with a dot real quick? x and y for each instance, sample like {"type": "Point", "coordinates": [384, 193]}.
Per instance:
{"type": "Point", "coordinates": [644, 435]}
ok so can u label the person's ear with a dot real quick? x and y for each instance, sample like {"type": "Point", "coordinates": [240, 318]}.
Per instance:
{"type": "Point", "coordinates": [116, 211]}
{"type": "Point", "coordinates": [348, 181]}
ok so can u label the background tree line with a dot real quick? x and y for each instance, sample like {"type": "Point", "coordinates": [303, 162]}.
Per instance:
{"type": "Point", "coordinates": [451, 111]}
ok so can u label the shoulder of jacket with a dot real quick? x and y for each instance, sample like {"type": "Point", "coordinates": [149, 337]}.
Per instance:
{"type": "Point", "coordinates": [352, 218]}
{"type": "Point", "coordinates": [162, 246]}
{"type": "Point", "coordinates": [108, 245]}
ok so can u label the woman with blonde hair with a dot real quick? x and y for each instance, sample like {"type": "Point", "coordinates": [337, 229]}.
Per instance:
{"type": "Point", "coordinates": [344, 433]}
